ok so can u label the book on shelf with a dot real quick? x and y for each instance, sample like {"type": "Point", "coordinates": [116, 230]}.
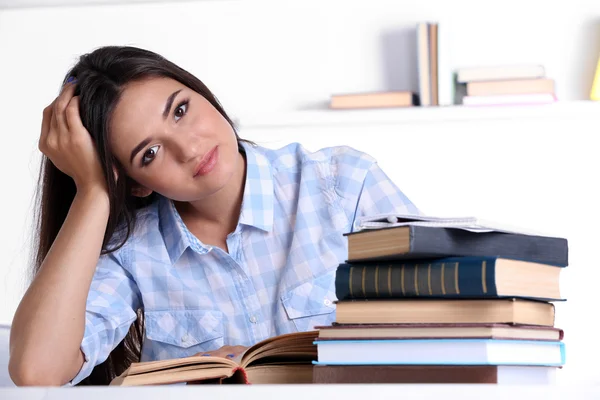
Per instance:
{"type": "Point", "coordinates": [515, 86]}
{"type": "Point", "coordinates": [282, 359]}
{"type": "Point", "coordinates": [434, 374]}
{"type": "Point", "coordinates": [438, 331]}
{"type": "Point", "coordinates": [427, 63]}
{"type": "Point", "coordinates": [374, 100]}
{"type": "Point", "coordinates": [419, 237]}
{"type": "Point", "coordinates": [450, 277]}
{"type": "Point", "coordinates": [446, 311]}
{"type": "Point", "coordinates": [510, 99]}
{"type": "Point", "coordinates": [500, 73]}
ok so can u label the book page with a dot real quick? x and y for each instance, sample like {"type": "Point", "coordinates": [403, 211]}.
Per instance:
{"type": "Point", "coordinates": [197, 362]}
{"type": "Point", "coordinates": [472, 224]}
{"type": "Point", "coordinates": [293, 346]}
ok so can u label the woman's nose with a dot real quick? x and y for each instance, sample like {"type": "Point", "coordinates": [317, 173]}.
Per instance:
{"type": "Point", "coordinates": [186, 148]}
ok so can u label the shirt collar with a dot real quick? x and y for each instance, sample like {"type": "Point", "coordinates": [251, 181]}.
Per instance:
{"type": "Point", "coordinates": [257, 207]}
{"type": "Point", "coordinates": [176, 235]}
{"type": "Point", "coordinates": [258, 201]}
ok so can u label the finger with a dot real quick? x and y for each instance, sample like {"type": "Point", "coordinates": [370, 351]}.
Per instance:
{"type": "Point", "coordinates": [216, 353]}
{"type": "Point", "coordinates": [72, 117]}
{"type": "Point", "coordinates": [54, 122]}
{"type": "Point", "coordinates": [225, 352]}
{"type": "Point", "coordinates": [229, 351]}
{"type": "Point", "coordinates": [46, 122]}
{"type": "Point", "coordinates": [239, 349]}
{"type": "Point", "coordinates": [60, 105]}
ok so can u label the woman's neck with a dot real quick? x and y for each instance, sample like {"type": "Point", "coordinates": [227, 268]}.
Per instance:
{"type": "Point", "coordinates": [220, 212]}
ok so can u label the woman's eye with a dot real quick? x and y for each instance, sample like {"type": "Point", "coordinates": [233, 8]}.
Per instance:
{"type": "Point", "coordinates": [149, 155]}
{"type": "Point", "coordinates": [180, 111]}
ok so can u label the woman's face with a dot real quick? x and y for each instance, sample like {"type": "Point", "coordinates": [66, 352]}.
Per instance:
{"type": "Point", "coordinates": [172, 141]}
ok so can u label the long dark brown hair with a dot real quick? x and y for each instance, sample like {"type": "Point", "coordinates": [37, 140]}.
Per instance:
{"type": "Point", "coordinates": [101, 78]}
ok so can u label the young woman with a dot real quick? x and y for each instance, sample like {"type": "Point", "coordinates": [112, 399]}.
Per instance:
{"type": "Point", "coordinates": [159, 226]}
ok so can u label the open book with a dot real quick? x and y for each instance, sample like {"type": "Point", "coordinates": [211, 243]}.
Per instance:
{"type": "Point", "coordinates": [473, 224]}
{"type": "Point", "coordinates": [282, 359]}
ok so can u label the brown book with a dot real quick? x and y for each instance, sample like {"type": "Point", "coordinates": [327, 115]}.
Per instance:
{"type": "Point", "coordinates": [516, 86]}
{"type": "Point", "coordinates": [282, 359]}
{"type": "Point", "coordinates": [455, 311]}
{"type": "Point", "coordinates": [438, 331]}
{"type": "Point", "coordinates": [433, 374]}
{"type": "Point", "coordinates": [373, 100]}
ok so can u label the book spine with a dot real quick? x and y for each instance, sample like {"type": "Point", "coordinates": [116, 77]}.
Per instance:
{"type": "Point", "coordinates": [457, 242]}
{"type": "Point", "coordinates": [457, 278]}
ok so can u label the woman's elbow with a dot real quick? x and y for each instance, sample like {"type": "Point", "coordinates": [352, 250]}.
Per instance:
{"type": "Point", "coordinates": [31, 373]}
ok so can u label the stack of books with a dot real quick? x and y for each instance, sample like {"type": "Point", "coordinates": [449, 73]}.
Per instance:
{"type": "Point", "coordinates": [427, 300]}
{"type": "Point", "coordinates": [505, 85]}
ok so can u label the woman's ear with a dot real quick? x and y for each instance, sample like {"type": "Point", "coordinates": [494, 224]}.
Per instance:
{"type": "Point", "coordinates": [140, 191]}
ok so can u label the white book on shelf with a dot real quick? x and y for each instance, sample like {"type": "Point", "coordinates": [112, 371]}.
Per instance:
{"type": "Point", "coordinates": [501, 72]}
{"type": "Point", "coordinates": [509, 99]}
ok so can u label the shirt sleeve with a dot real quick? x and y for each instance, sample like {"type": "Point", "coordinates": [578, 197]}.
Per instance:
{"type": "Point", "coordinates": [379, 195]}
{"type": "Point", "coordinates": [110, 310]}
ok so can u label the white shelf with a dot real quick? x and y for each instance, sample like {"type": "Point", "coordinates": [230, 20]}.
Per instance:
{"type": "Point", "coordinates": [4, 4]}
{"type": "Point", "coordinates": [412, 115]}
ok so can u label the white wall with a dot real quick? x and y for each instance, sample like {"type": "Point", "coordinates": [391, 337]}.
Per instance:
{"type": "Point", "coordinates": [282, 56]}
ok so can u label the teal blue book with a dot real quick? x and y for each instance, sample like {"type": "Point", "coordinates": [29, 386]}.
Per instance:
{"type": "Point", "coordinates": [447, 278]}
{"type": "Point", "coordinates": [440, 352]}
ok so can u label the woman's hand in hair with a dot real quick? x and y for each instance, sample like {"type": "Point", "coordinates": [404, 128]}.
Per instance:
{"type": "Point", "coordinates": [68, 144]}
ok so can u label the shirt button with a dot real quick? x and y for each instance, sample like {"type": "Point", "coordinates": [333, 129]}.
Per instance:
{"type": "Point", "coordinates": [185, 338]}
{"type": "Point", "coordinates": [327, 302]}
{"type": "Point", "coordinates": [253, 319]}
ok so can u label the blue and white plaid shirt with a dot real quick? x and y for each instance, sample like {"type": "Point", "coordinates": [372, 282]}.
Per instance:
{"type": "Point", "coordinates": [278, 276]}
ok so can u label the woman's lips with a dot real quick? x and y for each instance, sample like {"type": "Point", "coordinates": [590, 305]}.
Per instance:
{"type": "Point", "coordinates": [208, 162]}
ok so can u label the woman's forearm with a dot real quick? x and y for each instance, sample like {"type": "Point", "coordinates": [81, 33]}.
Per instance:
{"type": "Point", "coordinates": [49, 323]}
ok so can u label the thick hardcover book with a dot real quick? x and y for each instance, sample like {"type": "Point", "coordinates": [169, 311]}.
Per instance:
{"type": "Point", "coordinates": [454, 277]}
{"type": "Point", "coordinates": [427, 242]}
{"type": "Point", "coordinates": [445, 311]}
{"type": "Point", "coordinates": [440, 352]}
{"type": "Point", "coordinates": [282, 359]}
{"type": "Point", "coordinates": [434, 374]}
{"type": "Point", "coordinates": [438, 331]}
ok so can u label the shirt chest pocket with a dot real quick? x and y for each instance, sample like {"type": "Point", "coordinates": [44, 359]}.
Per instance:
{"type": "Point", "coordinates": [182, 333]}
{"type": "Point", "coordinates": [311, 303]}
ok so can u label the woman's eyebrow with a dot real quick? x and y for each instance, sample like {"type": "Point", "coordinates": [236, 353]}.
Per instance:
{"type": "Point", "coordinates": [169, 103]}
{"type": "Point", "coordinates": [138, 148]}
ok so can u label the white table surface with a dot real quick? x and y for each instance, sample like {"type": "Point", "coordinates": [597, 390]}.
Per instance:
{"type": "Point", "coordinates": [308, 392]}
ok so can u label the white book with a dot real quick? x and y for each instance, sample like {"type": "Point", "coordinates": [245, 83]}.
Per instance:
{"type": "Point", "coordinates": [502, 72]}
{"type": "Point", "coordinates": [509, 99]}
